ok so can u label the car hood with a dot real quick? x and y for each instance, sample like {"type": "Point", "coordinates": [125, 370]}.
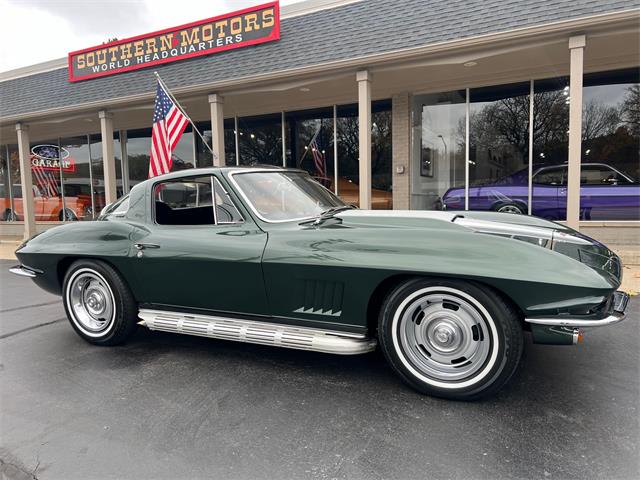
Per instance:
{"type": "Point", "coordinates": [532, 230]}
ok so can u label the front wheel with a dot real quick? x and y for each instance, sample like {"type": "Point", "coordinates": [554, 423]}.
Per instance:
{"type": "Point", "coordinates": [449, 338]}
{"type": "Point", "coordinates": [98, 303]}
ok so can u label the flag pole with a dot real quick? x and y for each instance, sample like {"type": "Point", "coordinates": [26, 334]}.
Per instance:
{"type": "Point", "coordinates": [177, 104]}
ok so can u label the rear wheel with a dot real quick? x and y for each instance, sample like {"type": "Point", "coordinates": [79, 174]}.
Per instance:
{"type": "Point", "coordinates": [511, 208]}
{"type": "Point", "coordinates": [98, 303]}
{"type": "Point", "coordinates": [450, 338]}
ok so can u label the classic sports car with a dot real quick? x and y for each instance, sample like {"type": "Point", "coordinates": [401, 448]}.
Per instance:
{"type": "Point", "coordinates": [605, 194]}
{"type": "Point", "coordinates": [269, 256]}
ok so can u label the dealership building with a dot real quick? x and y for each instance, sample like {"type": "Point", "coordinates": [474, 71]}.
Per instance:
{"type": "Point", "coordinates": [528, 107]}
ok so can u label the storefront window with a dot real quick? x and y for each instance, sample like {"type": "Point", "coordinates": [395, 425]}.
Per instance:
{"type": "Point", "coordinates": [310, 143]}
{"type": "Point", "coordinates": [260, 140]}
{"type": "Point", "coordinates": [7, 208]}
{"type": "Point", "coordinates": [609, 188]}
{"type": "Point", "coordinates": [439, 147]}
{"type": "Point", "coordinates": [97, 170]}
{"type": "Point", "coordinates": [77, 179]}
{"type": "Point", "coordinates": [229, 141]}
{"type": "Point", "coordinates": [499, 148]}
{"type": "Point", "coordinates": [139, 149]}
{"type": "Point", "coordinates": [46, 181]}
{"type": "Point", "coordinates": [550, 148]}
{"type": "Point", "coordinates": [348, 156]}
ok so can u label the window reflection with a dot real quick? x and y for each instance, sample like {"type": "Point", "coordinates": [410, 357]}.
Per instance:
{"type": "Point", "coordinates": [139, 149]}
{"type": "Point", "coordinates": [609, 188]}
{"type": "Point", "coordinates": [439, 147]}
{"type": "Point", "coordinates": [260, 140]}
{"type": "Point", "coordinates": [310, 142]}
{"type": "Point", "coordinates": [348, 156]}
{"type": "Point", "coordinates": [77, 179]}
{"type": "Point", "coordinates": [499, 148]}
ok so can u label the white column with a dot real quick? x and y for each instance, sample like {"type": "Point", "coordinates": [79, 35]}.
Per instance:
{"type": "Point", "coordinates": [108, 159]}
{"type": "Point", "coordinates": [576, 46]}
{"type": "Point", "coordinates": [364, 113]}
{"type": "Point", "coordinates": [216, 103]}
{"type": "Point", "coordinates": [24, 153]}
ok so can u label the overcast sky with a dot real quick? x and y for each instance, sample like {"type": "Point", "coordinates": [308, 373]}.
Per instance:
{"type": "Point", "coordinates": [34, 31]}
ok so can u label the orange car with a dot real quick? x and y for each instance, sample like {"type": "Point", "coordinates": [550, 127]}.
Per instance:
{"type": "Point", "coordinates": [46, 208]}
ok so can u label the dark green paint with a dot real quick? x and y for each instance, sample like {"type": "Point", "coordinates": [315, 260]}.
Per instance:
{"type": "Point", "coordinates": [317, 276]}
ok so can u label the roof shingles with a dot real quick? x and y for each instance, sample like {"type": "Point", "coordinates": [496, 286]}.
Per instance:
{"type": "Point", "coordinates": [341, 33]}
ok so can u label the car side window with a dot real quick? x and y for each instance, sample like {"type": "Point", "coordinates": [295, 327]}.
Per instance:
{"type": "Point", "coordinates": [550, 176]}
{"type": "Point", "coordinates": [600, 175]}
{"type": "Point", "coordinates": [189, 201]}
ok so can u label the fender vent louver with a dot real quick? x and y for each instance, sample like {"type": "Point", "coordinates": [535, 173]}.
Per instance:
{"type": "Point", "coordinates": [322, 298]}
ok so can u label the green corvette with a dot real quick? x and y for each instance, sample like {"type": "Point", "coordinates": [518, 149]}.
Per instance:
{"type": "Point", "coordinates": [269, 256]}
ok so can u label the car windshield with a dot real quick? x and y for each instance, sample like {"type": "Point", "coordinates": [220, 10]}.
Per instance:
{"type": "Point", "coordinates": [280, 196]}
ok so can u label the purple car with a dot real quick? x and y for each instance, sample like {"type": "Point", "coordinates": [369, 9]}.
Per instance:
{"type": "Point", "coordinates": [605, 194]}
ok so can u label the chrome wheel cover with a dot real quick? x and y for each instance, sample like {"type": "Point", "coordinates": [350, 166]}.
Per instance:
{"type": "Point", "coordinates": [445, 337]}
{"type": "Point", "coordinates": [90, 302]}
{"type": "Point", "coordinates": [510, 209]}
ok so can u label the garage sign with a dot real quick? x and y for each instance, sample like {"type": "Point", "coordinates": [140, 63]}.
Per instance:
{"type": "Point", "coordinates": [251, 26]}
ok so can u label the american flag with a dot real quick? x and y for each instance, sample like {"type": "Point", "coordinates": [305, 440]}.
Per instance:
{"type": "Point", "coordinates": [45, 181]}
{"type": "Point", "coordinates": [168, 126]}
{"type": "Point", "coordinates": [319, 160]}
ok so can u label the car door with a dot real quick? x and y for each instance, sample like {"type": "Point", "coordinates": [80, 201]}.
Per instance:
{"type": "Point", "coordinates": [188, 257]}
{"type": "Point", "coordinates": [548, 191]}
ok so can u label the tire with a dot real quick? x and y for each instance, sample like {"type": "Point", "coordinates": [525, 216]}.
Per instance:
{"type": "Point", "coordinates": [511, 208]}
{"type": "Point", "coordinates": [449, 338]}
{"type": "Point", "coordinates": [67, 215]}
{"type": "Point", "coordinates": [99, 303]}
{"type": "Point", "coordinates": [9, 216]}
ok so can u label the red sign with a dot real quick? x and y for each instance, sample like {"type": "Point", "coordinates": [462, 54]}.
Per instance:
{"type": "Point", "coordinates": [246, 27]}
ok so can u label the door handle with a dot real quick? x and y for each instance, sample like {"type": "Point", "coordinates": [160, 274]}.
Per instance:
{"type": "Point", "coordinates": [143, 246]}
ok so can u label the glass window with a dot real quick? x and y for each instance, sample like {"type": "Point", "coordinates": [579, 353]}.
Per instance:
{"type": "Point", "coordinates": [551, 176]}
{"type": "Point", "coordinates": [278, 196]}
{"type": "Point", "coordinates": [7, 209]}
{"type": "Point", "coordinates": [229, 141]}
{"type": "Point", "coordinates": [184, 202]}
{"type": "Point", "coordinates": [47, 185]}
{"type": "Point", "coordinates": [97, 170]}
{"type": "Point", "coordinates": [439, 151]}
{"type": "Point", "coordinates": [14, 183]}
{"type": "Point", "coordinates": [77, 179]}
{"type": "Point", "coordinates": [550, 146]}
{"type": "Point", "coordinates": [189, 202]}
{"type": "Point", "coordinates": [139, 149]}
{"type": "Point", "coordinates": [610, 146]}
{"type": "Point", "coordinates": [381, 155]}
{"type": "Point", "coordinates": [310, 143]}
{"type": "Point", "coordinates": [498, 147]}
{"type": "Point", "coordinates": [260, 140]}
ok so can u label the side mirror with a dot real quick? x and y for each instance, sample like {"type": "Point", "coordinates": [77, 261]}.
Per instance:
{"type": "Point", "coordinates": [105, 209]}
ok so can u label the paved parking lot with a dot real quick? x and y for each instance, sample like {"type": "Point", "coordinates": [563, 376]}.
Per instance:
{"type": "Point", "coordinates": [167, 406]}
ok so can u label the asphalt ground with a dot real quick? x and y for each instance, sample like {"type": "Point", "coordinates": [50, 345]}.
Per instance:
{"type": "Point", "coordinates": [175, 407]}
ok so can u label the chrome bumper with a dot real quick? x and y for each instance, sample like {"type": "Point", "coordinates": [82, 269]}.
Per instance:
{"type": "Point", "coordinates": [617, 314]}
{"type": "Point", "coordinates": [23, 271]}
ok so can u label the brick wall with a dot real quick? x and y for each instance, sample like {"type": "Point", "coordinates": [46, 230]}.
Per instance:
{"type": "Point", "coordinates": [401, 150]}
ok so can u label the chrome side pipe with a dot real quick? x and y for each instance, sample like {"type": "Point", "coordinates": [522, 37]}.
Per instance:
{"type": "Point", "coordinates": [263, 333]}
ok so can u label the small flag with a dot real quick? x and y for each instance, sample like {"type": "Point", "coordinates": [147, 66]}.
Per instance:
{"type": "Point", "coordinates": [168, 126]}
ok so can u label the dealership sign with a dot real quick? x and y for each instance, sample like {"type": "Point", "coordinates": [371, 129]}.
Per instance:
{"type": "Point", "coordinates": [251, 26]}
{"type": "Point", "coordinates": [52, 157]}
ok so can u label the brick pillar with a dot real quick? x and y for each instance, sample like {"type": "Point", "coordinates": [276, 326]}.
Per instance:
{"type": "Point", "coordinates": [401, 150]}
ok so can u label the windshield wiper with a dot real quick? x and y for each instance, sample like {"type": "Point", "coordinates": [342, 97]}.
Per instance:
{"type": "Point", "coordinates": [326, 215]}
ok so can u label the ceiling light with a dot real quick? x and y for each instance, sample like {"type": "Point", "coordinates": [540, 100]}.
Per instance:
{"type": "Point", "coordinates": [305, 89]}
{"type": "Point", "coordinates": [470, 64]}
